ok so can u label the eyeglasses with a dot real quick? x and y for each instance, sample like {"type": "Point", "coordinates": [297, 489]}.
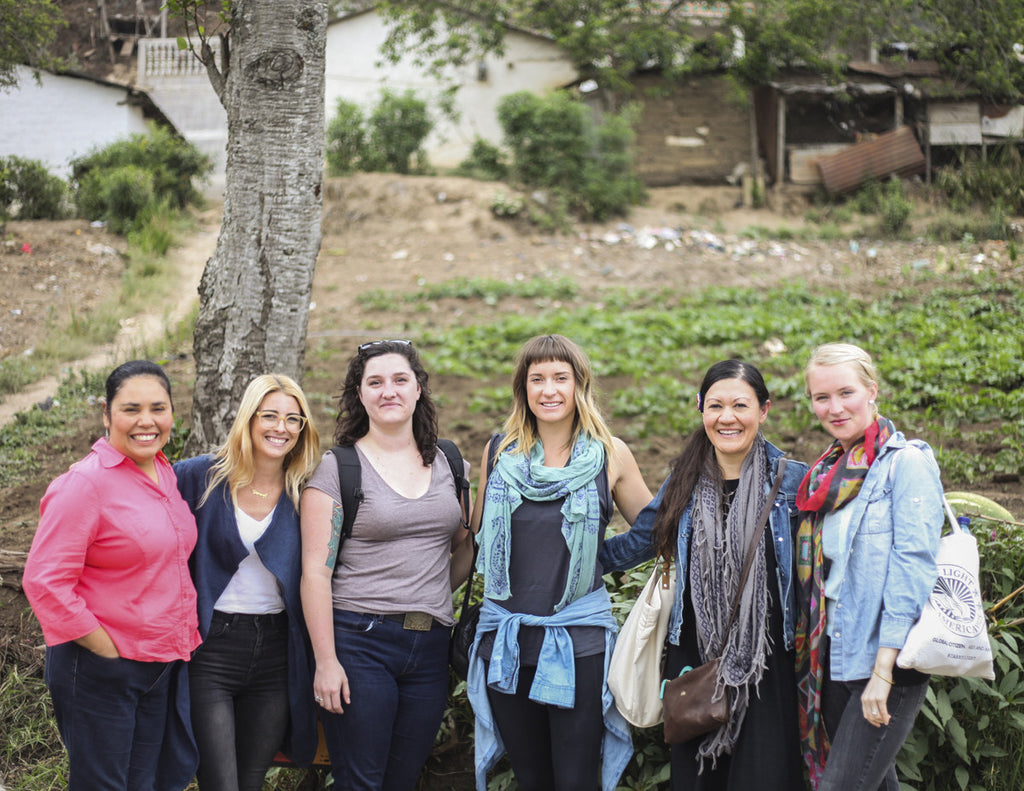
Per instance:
{"type": "Point", "coordinates": [292, 422]}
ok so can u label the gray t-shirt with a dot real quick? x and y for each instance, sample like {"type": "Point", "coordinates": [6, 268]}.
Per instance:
{"type": "Point", "coordinates": [398, 557]}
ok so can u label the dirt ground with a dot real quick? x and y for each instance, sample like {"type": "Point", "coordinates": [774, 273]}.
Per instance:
{"type": "Point", "coordinates": [395, 233]}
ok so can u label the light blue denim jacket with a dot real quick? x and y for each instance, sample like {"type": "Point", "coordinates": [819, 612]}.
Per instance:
{"type": "Point", "coordinates": [634, 547]}
{"type": "Point", "coordinates": [554, 682]}
{"type": "Point", "coordinates": [886, 563]}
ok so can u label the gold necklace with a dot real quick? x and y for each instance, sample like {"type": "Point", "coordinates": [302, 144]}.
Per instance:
{"type": "Point", "coordinates": [258, 493]}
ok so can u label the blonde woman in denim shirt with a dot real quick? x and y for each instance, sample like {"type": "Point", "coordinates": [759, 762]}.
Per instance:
{"type": "Point", "coordinates": [866, 564]}
{"type": "Point", "coordinates": [703, 517]}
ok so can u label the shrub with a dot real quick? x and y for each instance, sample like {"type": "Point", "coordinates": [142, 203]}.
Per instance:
{"type": "Point", "coordinates": [118, 196]}
{"type": "Point", "coordinates": [346, 136]}
{"type": "Point", "coordinates": [173, 164]}
{"type": "Point", "coordinates": [398, 126]}
{"type": "Point", "coordinates": [894, 207]}
{"type": "Point", "coordinates": [556, 146]}
{"type": "Point", "coordinates": [26, 184]}
{"type": "Point", "coordinates": [994, 181]}
{"type": "Point", "coordinates": [485, 162]}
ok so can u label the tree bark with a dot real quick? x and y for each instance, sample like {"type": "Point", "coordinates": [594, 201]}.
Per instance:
{"type": "Point", "coordinates": [255, 290]}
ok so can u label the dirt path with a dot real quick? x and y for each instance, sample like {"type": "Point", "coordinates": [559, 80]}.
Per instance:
{"type": "Point", "coordinates": [137, 332]}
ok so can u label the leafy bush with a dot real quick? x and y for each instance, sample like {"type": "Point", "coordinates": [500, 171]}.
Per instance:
{"type": "Point", "coordinates": [398, 126]}
{"type": "Point", "coordinates": [557, 146]}
{"type": "Point", "coordinates": [172, 164]}
{"type": "Point", "coordinates": [117, 196]}
{"type": "Point", "coordinates": [970, 733]}
{"type": "Point", "coordinates": [485, 162]}
{"type": "Point", "coordinates": [997, 180]}
{"type": "Point", "coordinates": [29, 186]}
{"type": "Point", "coordinates": [390, 140]}
{"type": "Point", "coordinates": [346, 136]}
{"type": "Point", "coordinates": [894, 207]}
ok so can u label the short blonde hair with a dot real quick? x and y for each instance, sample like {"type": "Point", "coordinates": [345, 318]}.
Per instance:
{"type": "Point", "coordinates": [842, 354]}
{"type": "Point", "coordinates": [234, 460]}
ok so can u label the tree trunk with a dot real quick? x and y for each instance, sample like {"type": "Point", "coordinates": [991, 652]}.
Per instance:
{"type": "Point", "coordinates": [255, 290]}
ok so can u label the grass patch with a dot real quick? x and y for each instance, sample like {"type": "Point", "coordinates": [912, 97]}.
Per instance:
{"type": "Point", "coordinates": [71, 335]}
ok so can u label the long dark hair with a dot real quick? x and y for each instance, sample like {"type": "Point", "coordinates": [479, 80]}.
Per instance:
{"type": "Point", "coordinates": [353, 422]}
{"type": "Point", "coordinates": [698, 456]}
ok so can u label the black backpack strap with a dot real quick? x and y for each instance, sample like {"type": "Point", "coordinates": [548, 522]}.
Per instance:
{"type": "Point", "coordinates": [350, 481]}
{"type": "Point", "coordinates": [458, 467]}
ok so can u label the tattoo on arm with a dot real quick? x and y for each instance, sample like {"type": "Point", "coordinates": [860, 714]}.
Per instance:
{"type": "Point", "coordinates": [337, 520]}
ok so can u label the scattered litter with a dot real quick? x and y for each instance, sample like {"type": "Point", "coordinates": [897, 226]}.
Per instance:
{"type": "Point", "coordinates": [399, 255]}
{"type": "Point", "coordinates": [26, 248]}
{"type": "Point", "coordinates": [921, 263]}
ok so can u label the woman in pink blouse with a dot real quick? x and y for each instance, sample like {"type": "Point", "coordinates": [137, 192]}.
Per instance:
{"type": "Point", "coordinates": [108, 579]}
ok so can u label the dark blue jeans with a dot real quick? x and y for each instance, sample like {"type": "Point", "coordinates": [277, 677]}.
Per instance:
{"type": "Point", "coordinates": [862, 757]}
{"type": "Point", "coordinates": [111, 714]}
{"type": "Point", "coordinates": [398, 680]}
{"type": "Point", "coordinates": [550, 748]}
{"type": "Point", "coordinates": [239, 690]}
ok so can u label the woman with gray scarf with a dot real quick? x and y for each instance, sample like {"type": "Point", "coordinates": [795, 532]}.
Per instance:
{"type": "Point", "coordinates": [704, 517]}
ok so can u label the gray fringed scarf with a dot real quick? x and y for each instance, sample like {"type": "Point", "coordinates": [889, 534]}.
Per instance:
{"type": "Point", "coordinates": [718, 548]}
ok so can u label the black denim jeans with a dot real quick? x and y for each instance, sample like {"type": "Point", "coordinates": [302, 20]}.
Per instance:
{"type": "Point", "coordinates": [862, 756]}
{"type": "Point", "coordinates": [239, 692]}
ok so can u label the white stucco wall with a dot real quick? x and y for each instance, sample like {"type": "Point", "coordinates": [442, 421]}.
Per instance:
{"type": "Point", "coordinates": [353, 51]}
{"type": "Point", "coordinates": [63, 118]}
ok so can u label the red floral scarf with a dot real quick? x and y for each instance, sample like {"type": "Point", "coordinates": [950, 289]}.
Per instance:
{"type": "Point", "coordinates": [832, 482]}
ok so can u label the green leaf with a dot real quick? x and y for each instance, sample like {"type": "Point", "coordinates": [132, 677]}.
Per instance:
{"type": "Point", "coordinates": [182, 43]}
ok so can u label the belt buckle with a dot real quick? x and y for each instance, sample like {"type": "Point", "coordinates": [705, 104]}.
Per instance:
{"type": "Point", "coordinates": [418, 621]}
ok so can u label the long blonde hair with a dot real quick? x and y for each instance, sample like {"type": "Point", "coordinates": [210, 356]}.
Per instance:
{"type": "Point", "coordinates": [234, 459]}
{"type": "Point", "coordinates": [521, 425]}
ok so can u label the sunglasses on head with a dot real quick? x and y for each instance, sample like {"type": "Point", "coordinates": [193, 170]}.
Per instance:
{"type": "Point", "coordinates": [367, 346]}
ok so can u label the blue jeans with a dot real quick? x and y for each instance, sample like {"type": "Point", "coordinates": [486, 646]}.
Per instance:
{"type": "Point", "coordinates": [550, 747]}
{"type": "Point", "coordinates": [238, 681]}
{"type": "Point", "coordinates": [398, 680]}
{"type": "Point", "coordinates": [111, 714]}
{"type": "Point", "coordinates": [863, 757]}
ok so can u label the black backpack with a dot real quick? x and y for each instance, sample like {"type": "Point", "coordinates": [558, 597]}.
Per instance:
{"type": "Point", "coordinates": [350, 478]}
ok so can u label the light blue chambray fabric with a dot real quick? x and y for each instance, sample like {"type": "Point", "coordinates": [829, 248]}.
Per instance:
{"type": "Point", "coordinates": [554, 682]}
{"type": "Point", "coordinates": [884, 566]}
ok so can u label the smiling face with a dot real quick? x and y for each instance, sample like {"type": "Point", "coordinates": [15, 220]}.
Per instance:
{"type": "Point", "coordinates": [842, 402]}
{"type": "Point", "coordinates": [551, 392]}
{"type": "Point", "coordinates": [274, 442]}
{"type": "Point", "coordinates": [139, 419]}
{"type": "Point", "coordinates": [389, 390]}
{"type": "Point", "coordinates": [732, 418]}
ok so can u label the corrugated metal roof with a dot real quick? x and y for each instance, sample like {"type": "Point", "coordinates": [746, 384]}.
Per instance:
{"type": "Point", "coordinates": [895, 152]}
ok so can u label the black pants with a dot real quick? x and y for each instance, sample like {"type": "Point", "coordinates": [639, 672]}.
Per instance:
{"type": "Point", "coordinates": [238, 680]}
{"type": "Point", "coordinates": [550, 748]}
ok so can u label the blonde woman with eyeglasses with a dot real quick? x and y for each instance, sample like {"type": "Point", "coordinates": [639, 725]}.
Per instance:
{"type": "Point", "coordinates": [251, 691]}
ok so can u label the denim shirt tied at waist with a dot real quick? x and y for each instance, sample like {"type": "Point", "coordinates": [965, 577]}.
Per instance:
{"type": "Point", "coordinates": [885, 567]}
{"type": "Point", "coordinates": [630, 549]}
{"type": "Point", "coordinates": [554, 682]}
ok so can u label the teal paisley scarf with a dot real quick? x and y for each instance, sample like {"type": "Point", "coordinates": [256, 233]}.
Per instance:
{"type": "Point", "coordinates": [517, 477]}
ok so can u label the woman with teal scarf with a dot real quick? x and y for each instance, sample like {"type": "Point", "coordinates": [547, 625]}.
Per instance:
{"type": "Point", "coordinates": [537, 678]}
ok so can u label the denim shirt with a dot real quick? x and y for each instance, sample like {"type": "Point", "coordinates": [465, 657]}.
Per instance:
{"type": "Point", "coordinates": [635, 546]}
{"type": "Point", "coordinates": [885, 567]}
{"type": "Point", "coordinates": [554, 682]}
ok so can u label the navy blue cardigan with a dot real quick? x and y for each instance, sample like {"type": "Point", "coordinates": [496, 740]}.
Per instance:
{"type": "Point", "coordinates": [219, 550]}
